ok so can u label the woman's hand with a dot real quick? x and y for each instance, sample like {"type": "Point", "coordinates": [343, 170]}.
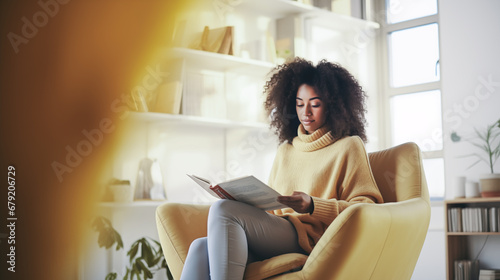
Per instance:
{"type": "Point", "coordinates": [298, 201]}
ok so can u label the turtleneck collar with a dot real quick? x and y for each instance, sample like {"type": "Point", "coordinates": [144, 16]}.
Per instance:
{"type": "Point", "coordinates": [320, 138]}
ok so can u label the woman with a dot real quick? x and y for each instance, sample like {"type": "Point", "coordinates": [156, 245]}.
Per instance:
{"type": "Point", "coordinates": [318, 112]}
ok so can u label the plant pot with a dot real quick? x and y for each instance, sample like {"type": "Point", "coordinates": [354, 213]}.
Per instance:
{"type": "Point", "coordinates": [490, 185]}
{"type": "Point", "coordinates": [123, 193]}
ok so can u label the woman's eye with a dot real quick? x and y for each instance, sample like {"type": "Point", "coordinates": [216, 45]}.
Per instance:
{"type": "Point", "coordinates": [300, 105]}
{"type": "Point", "coordinates": [316, 105]}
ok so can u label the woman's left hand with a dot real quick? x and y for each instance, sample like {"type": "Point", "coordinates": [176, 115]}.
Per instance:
{"type": "Point", "coordinates": [298, 201]}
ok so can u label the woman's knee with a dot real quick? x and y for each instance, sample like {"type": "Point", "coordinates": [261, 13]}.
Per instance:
{"type": "Point", "coordinates": [222, 208]}
{"type": "Point", "coordinates": [198, 245]}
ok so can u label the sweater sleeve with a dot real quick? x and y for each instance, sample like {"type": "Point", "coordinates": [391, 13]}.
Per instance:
{"type": "Point", "coordinates": [357, 184]}
{"type": "Point", "coordinates": [276, 164]}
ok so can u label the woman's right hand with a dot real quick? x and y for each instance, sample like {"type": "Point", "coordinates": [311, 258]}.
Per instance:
{"type": "Point", "coordinates": [298, 201]}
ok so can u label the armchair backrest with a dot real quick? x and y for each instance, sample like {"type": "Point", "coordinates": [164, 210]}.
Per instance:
{"type": "Point", "coordinates": [399, 174]}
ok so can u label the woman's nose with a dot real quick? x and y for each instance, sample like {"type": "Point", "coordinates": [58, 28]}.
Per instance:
{"type": "Point", "coordinates": [307, 110]}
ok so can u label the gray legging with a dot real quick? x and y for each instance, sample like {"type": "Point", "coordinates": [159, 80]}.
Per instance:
{"type": "Point", "coordinates": [235, 231]}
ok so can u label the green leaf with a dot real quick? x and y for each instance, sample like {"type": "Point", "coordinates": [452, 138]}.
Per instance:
{"type": "Point", "coordinates": [155, 261]}
{"type": "Point", "coordinates": [482, 147]}
{"type": "Point", "coordinates": [481, 158]}
{"type": "Point", "coordinates": [133, 251]}
{"type": "Point", "coordinates": [107, 234]}
{"type": "Point", "coordinates": [470, 166]}
{"type": "Point", "coordinates": [106, 240]}
{"type": "Point", "coordinates": [118, 240]}
{"type": "Point", "coordinates": [144, 250]}
{"type": "Point", "coordinates": [158, 244]}
{"type": "Point", "coordinates": [494, 135]}
{"type": "Point", "coordinates": [127, 274]}
{"type": "Point", "coordinates": [134, 273]}
{"type": "Point", "coordinates": [139, 262]}
{"type": "Point", "coordinates": [148, 254]}
{"type": "Point", "coordinates": [481, 136]}
{"type": "Point", "coordinates": [464, 156]}
{"type": "Point", "coordinates": [111, 276]}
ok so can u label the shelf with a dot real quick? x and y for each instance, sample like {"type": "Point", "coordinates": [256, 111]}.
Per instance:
{"type": "Point", "coordinates": [473, 200]}
{"type": "Point", "coordinates": [282, 8]}
{"type": "Point", "coordinates": [471, 233]}
{"type": "Point", "coordinates": [151, 117]}
{"type": "Point", "coordinates": [276, 8]}
{"type": "Point", "coordinates": [135, 203]}
{"type": "Point", "coordinates": [221, 62]}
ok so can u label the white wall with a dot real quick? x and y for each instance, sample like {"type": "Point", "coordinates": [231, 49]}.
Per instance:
{"type": "Point", "coordinates": [470, 60]}
{"type": "Point", "coordinates": [432, 261]}
{"type": "Point", "coordinates": [470, 57]}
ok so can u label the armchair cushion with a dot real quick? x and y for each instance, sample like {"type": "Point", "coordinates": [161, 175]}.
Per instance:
{"type": "Point", "coordinates": [275, 266]}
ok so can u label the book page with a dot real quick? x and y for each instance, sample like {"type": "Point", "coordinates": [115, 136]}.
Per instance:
{"type": "Point", "coordinates": [252, 191]}
{"type": "Point", "coordinates": [204, 183]}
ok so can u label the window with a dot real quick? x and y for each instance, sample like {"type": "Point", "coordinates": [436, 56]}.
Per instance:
{"type": "Point", "coordinates": [412, 87]}
{"type": "Point", "coordinates": [404, 10]}
{"type": "Point", "coordinates": [415, 117]}
{"type": "Point", "coordinates": [413, 54]}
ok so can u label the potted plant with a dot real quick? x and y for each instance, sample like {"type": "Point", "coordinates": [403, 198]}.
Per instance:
{"type": "Point", "coordinates": [145, 254]}
{"type": "Point", "coordinates": [488, 142]}
{"type": "Point", "coordinates": [149, 260]}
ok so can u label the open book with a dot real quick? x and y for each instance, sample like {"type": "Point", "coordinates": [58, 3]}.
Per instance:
{"type": "Point", "coordinates": [249, 190]}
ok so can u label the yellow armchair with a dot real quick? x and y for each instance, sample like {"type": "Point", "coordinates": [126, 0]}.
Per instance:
{"type": "Point", "coordinates": [366, 241]}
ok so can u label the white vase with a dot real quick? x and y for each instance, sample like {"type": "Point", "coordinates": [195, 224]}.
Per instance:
{"type": "Point", "coordinates": [459, 187]}
{"type": "Point", "coordinates": [472, 189]}
{"type": "Point", "coordinates": [490, 184]}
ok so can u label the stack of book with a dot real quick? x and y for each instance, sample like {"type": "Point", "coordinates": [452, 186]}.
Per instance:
{"type": "Point", "coordinates": [466, 270]}
{"type": "Point", "coordinates": [474, 219]}
{"type": "Point", "coordinates": [489, 274]}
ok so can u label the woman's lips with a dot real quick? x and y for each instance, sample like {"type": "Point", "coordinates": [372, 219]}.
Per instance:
{"type": "Point", "coordinates": [307, 122]}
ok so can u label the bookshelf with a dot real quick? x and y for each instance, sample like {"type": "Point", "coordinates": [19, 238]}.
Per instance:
{"type": "Point", "coordinates": [457, 243]}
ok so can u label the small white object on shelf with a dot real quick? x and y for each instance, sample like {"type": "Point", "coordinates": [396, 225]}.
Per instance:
{"type": "Point", "coordinates": [123, 192]}
{"type": "Point", "coordinates": [459, 187]}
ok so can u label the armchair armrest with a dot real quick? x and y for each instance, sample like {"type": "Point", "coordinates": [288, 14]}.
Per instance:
{"type": "Point", "coordinates": [372, 235]}
{"type": "Point", "coordinates": [178, 225]}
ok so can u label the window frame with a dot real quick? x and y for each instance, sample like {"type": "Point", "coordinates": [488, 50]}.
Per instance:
{"type": "Point", "coordinates": [387, 91]}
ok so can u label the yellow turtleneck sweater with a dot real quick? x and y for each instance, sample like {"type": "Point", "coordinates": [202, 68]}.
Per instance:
{"type": "Point", "coordinates": [335, 173]}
